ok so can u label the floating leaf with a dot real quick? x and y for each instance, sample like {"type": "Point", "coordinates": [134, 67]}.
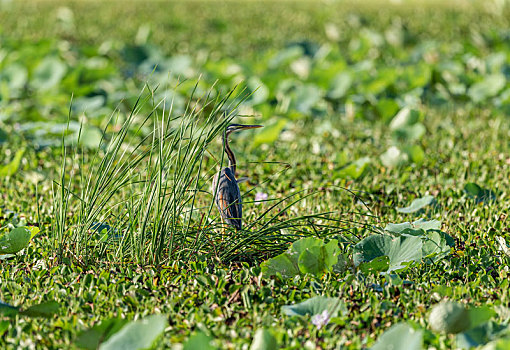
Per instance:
{"type": "Point", "coordinates": [437, 245]}
{"type": "Point", "coordinates": [488, 87]}
{"type": "Point", "coordinates": [375, 266]}
{"type": "Point", "coordinates": [136, 335]}
{"type": "Point", "coordinates": [481, 335]}
{"type": "Point", "coordinates": [417, 204]}
{"type": "Point", "coordinates": [199, 341]}
{"type": "Point", "coordinates": [48, 73]}
{"type": "Point", "coordinates": [419, 224]}
{"type": "Point", "coordinates": [400, 337]}
{"type": "Point", "coordinates": [307, 255]}
{"type": "Point", "coordinates": [449, 317]}
{"type": "Point", "coordinates": [478, 193]}
{"type": "Point", "coordinates": [11, 168]}
{"type": "Point", "coordinates": [8, 310]}
{"type": "Point", "coordinates": [355, 169]}
{"type": "Point", "coordinates": [263, 340]}
{"type": "Point", "coordinates": [393, 157]}
{"type": "Point", "coordinates": [47, 309]}
{"type": "Point", "coordinates": [91, 338]}
{"type": "Point", "coordinates": [399, 250]}
{"type": "Point", "coordinates": [270, 133]}
{"type": "Point", "coordinates": [315, 306]}
{"type": "Point", "coordinates": [15, 240]}
{"type": "Point", "coordinates": [339, 86]}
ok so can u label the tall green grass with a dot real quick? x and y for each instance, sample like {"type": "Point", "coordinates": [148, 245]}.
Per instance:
{"type": "Point", "coordinates": [146, 197]}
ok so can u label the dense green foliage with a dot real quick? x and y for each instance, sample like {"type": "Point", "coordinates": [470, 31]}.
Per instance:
{"type": "Point", "coordinates": [386, 140]}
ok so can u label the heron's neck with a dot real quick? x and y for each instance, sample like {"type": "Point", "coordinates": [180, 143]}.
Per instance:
{"type": "Point", "coordinates": [230, 155]}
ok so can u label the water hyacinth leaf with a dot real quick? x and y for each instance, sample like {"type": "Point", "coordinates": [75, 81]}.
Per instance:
{"type": "Point", "coordinates": [437, 245]}
{"type": "Point", "coordinates": [14, 241]}
{"type": "Point", "coordinates": [91, 338]}
{"type": "Point", "coordinates": [409, 133]}
{"type": "Point", "coordinates": [355, 169]}
{"type": "Point", "coordinates": [284, 264]}
{"type": "Point", "coordinates": [11, 168]}
{"type": "Point", "coordinates": [405, 117]}
{"type": "Point", "coordinates": [478, 193]}
{"type": "Point", "coordinates": [386, 108]}
{"type": "Point", "coordinates": [486, 88]}
{"type": "Point", "coordinates": [307, 255]}
{"type": "Point", "coordinates": [415, 154]}
{"type": "Point", "coordinates": [481, 335]}
{"type": "Point", "coordinates": [400, 337]}
{"type": "Point", "coordinates": [375, 266]}
{"type": "Point", "coordinates": [199, 341]}
{"type": "Point", "coordinates": [315, 306]}
{"type": "Point", "coordinates": [418, 224]}
{"type": "Point", "coordinates": [339, 86]}
{"type": "Point", "coordinates": [305, 97]}
{"type": "Point", "coordinates": [449, 317]}
{"type": "Point", "coordinates": [8, 310]}
{"type": "Point", "coordinates": [257, 90]}
{"type": "Point", "coordinates": [14, 75]}
{"type": "Point", "coordinates": [136, 335]}
{"type": "Point", "coordinates": [263, 340]}
{"type": "Point", "coordinates": [270, 133]}
{"type": "Point", "coordinates": [393, 157]}
{"type": "Point", "coordinates": [48, 73]}
{"type": "Point", "coordinates": [417, 204]}
{"type": "Point", "coordinates": [479, 315]}
{"type": "Point", "coordinates": [46, 309]}
{"type": "Point", "coordinates": [319, 258]}
{"type": "Point", "coordinates": [400, 250]}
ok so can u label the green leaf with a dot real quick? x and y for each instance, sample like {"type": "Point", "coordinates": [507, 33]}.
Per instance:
{"type": "Point", "coordinates": [11, 168]}
{"type": "Point", "coordinates": [481, 335]}
{"type": "Point", "coordinates": [284, 264]}
{"type": "Point", "coordinates": [479, 315]}
{"type": "Point", "coordinates": [320, 258]}
{"type": "Point", "coordinates": [437, 245]}
{"type": "Point", "coordinates": [14, 241]}
{"type": "Point", "coordinates": [270, 133]}
{"type": "Point", "coordinates": [400, 337]}
{"type": "Point", "coordinates": [393, 157]}
{"type": "Point", "coordinates": [449, 317]}
{"type": "Point", "coordinates": [417, 204]}
{"type": "Point", "coordinates": [415, 153]}
{"type": "Point", "coordinates": [135, 335]}
{"type": "Point", "coordinates": [199, 341]}
{"type": "Point", "coordinates": [355, 169]}
{"type": "Point", "coordinates": [486, 88]}
{"type": "Point", "coordinates": [386, 108]}
{"type": "Point", "coordinates": [419, 224]}
{"type": "Point", "coordinates": [315, 306]}
{"type": "Point", "coordinates": [375, 266]}
{"type": "Point", "coordinates": [263, 340]}
{"type": "Point", "coordinates": [91, 338]}
{"type": "Point", "coordinates": [400, 250]}
{"type": "Point", "coordinates": [8, 310]}
{"type": "Point", "coordinates": [339, 86]}
{"type": "Point", "coordinates": [307, 255]}
{"type": "Point", "coordinates": [481, 195]}
{"type": "Point", "coordinates": [48, 73]}
{"type": "Point", "coordinates": [46, 309]}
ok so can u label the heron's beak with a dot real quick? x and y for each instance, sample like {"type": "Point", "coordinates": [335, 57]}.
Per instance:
{"type": "Point", "coordinates": [244, 127]}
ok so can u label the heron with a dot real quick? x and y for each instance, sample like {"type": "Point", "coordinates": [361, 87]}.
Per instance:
{"type": "Point", "coordinates": [227, 194]}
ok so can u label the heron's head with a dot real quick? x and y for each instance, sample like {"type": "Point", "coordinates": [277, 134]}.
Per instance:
{"type": "Point", "coordinates": [237, 127]}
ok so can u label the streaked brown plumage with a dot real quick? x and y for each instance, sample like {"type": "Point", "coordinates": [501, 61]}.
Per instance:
{"type": "Point", "coordinates": [228, 196]}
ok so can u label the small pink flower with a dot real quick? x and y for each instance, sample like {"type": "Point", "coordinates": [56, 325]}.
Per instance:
{"type": "Point", "coordinates": [260, 196]}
